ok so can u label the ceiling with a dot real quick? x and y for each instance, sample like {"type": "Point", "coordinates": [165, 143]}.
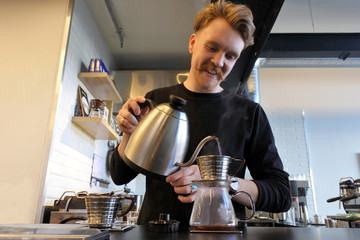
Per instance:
{"type": "Point", "coordinates": [156, 33]}
{"type": "Point", "coordinates": [316, 29]}
{"type": "Point", "coordinates": [318, 16]}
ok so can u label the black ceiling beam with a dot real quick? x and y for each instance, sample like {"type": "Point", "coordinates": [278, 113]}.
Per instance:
{"type": "Point", "coordinates": [312, 45]}
{"type": "Point", "coordinates": [265, 14]}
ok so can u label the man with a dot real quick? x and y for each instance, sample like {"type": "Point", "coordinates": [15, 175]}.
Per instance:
{"type": "Point", "coordinates": [222, 31]}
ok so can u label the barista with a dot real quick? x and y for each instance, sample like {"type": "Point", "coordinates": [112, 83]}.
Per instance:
{"type": "Point", "coordinates": [222, 31]}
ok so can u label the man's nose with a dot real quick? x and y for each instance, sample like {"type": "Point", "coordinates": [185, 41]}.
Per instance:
{"type": "Point", "coordinates": [218, 59]}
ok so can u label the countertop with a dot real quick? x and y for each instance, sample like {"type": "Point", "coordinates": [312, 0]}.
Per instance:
{"type": "Point", "coordinates": [78, 231]}
{"type": "Point", "coordinates": [251, 233]}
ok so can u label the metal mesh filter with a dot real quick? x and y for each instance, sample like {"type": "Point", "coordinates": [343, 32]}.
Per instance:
{"type": "Point", "coordinates": [214, 167]}
{"type": "Point", "coordinates": [101, 210]}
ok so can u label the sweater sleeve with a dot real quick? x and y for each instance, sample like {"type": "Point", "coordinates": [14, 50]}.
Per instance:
{"type": "Point", "coordinates": [266, 167]}
{"type": "Point", "coordinates": [120, 172]}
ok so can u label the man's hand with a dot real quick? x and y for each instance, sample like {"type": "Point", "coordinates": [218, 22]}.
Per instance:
{"type": "Point", "coordinates": [182, 182]}
{"type": "Point", "coordinates": [127, 122]}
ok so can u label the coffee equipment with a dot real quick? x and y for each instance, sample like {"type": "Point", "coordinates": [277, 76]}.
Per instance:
{"type": "Point", "coordinates": [99, 209]}
{"type": "Point", "coordinates": [294, 209]}
{"type": "Point", "coordinates": [349, 193]}
{"type": "Point", "coordinates": [298, 213]}
{"type": "Point", "coordinates": [160, 140]}
{"type": "Point", "coordinates": [351, 204]}
{"type": "Point", "coordinates": [213, 210]}
{"type": "Point", "coordinates": [157, 148]}
{"type": "Point", "coordinates": [349, 197]}
{"type": "Point", "coordinates": [67, 209]}
{"type": "Point", "coordinates": [303, 186]}
{"type": "Point", "coordinates": [158, 145]}
{"type": "Point", "coordinates": [102, 208]}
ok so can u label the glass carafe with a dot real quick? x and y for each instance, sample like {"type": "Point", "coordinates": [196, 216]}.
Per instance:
{"type": "Point", "coordinates": [213, 209]}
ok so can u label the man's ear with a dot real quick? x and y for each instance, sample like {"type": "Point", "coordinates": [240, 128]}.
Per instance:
{"type": "Point", "coordinates": [192, 42]}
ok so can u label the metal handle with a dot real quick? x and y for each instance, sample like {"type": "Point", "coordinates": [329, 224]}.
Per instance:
{"type": "Point", "coordinates": [82, 194]}
{"type": "Point", "coordinates": [130, 206]}
{"type": "Point", "coordinates": [112, 193]}
{"type": "Point", "coordinates": [147, 103]}
{"type": "Point", "coordinates": [251, 203]}
{"type": "Point", "coordinates": [344, 199]}
{"type": "Point", "coordinates": [56, 202]}
{"type": "Point", "coordinates": [242, 160]}
{"type": "Point", "coordinates": [72, 218]}
{"type": "Point", "coordinates": [333, 199]}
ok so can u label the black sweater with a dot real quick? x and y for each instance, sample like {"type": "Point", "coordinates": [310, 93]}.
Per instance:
{"type": "Point", "coordinates": [243, 130]}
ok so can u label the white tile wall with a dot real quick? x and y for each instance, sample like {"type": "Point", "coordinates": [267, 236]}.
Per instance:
{"type": "Point", "coordinates": [70, 162]}
{"type": "Point", "coordinates": [290, 138]}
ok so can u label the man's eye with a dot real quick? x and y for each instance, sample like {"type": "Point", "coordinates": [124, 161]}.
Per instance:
{"type": "Point", "coordinates": [212, 49]}
{"type": "Point", "coordinates": [231, 57]}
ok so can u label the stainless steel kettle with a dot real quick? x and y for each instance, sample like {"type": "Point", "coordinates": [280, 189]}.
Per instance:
{"type": "Point", "coordinates": [160, 140]}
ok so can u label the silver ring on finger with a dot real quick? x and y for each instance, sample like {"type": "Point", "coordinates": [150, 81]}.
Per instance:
{"type": "Point", "coordinates": [193, 189]}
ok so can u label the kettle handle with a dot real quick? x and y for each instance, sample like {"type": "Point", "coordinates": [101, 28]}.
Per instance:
{"type": "Point", "coordinates": [147, 103]}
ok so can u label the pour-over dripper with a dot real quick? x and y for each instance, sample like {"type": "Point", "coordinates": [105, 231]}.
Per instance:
{"type": "Point", "coordinates": [215, 167]}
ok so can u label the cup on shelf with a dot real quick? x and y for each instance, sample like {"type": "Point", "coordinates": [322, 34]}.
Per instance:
{"type": "Point", "coordinates": [97, 108]}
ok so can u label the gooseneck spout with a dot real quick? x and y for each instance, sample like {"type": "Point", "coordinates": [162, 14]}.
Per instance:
{"type": "Point", "coordinates": [197, 150]}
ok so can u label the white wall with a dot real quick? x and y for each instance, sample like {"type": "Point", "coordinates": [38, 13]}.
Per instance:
{"type": "Point", "coordinates": [331, 101]}
{"type": "Point", "coordinates": [31, 52]}
{"type": "Point", "coordinates": [290, 139]}
{"type": "Point", "coordinates": [70, 163]}
{"type": "Point", "coordinates": [71, 159]}
{"type": "Point", "coordinates": [38, 140]}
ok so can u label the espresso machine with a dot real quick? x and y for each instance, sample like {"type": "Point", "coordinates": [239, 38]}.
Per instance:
{"type": "Point", "coordinates": [349, 193]}
{"type": "Point", "coordinates": [349, 197]}
{"type": "Point", "coordinates": [351, 204]}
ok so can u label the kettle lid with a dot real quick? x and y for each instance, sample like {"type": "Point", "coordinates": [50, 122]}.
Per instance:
{"type": "Point", "coordinates": [177, 102]}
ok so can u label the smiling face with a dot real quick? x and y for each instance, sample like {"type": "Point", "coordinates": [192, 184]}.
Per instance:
{"type": "Point", "coordinates": [214, 49]}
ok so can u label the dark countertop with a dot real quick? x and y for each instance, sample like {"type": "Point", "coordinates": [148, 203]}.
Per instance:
{"type": "Point", "coordinates": [251, 233]}
{"type": "Point", "coordinates": [82, 231]}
